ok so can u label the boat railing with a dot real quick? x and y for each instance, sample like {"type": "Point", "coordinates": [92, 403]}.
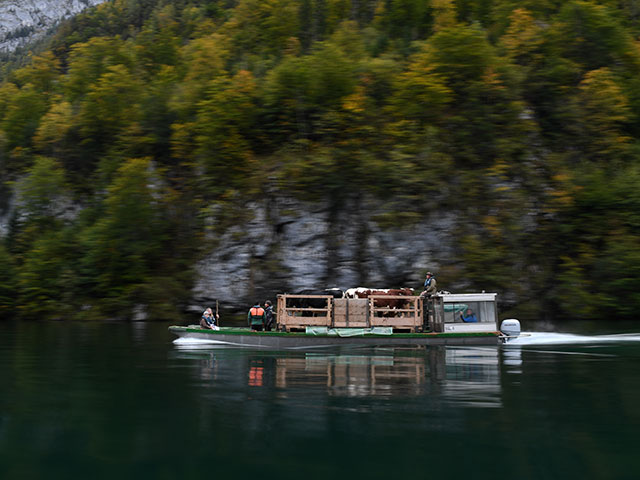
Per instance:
{"type": "Point", "coordinates": [402, 312]}
{"type": "Point", "coordinates": [304, 311]}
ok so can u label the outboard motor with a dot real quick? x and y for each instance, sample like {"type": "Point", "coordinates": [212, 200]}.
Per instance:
{"type": "Point", "coordinates": [510, 327]}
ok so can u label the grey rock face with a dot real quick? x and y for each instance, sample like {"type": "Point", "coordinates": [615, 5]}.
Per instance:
{"type": "Point", "coordinates": [305, 246]}
{"type": "Point", "coordinates": [23, 21]}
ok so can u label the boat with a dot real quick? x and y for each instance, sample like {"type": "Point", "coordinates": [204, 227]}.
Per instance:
{"type": "Point", "coordinates": [319, 321]}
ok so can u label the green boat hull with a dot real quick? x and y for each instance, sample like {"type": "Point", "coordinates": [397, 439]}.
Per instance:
{"type": "Point", "coordinates": [243, 337]}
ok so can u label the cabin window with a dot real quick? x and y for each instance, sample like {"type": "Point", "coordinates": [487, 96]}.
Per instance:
{"type": "Point", "coordinates": [481, 312]}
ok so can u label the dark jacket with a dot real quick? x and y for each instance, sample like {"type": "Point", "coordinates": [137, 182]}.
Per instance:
{"type": "Point", "coordinates": [268, 312]}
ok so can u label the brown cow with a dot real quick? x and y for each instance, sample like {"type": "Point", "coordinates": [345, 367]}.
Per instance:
{"type": "Point", "coordinates": [363, 292]}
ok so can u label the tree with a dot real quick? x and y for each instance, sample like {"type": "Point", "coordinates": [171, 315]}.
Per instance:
{"type": "Point", "coordinates": [54, 135]}
{"type": "Point", "coordinates": [125, 245]}
{"type": "Point", "coordinates": [602, 113]}
{"type": "Point", "coordinates": [90, 60]}
{"type": "Point", "coordinates": [20, 121]}
{"type": "Point", "coordinates": [7, 284]}
{"type": "Point", "coordinates": [301, 89]}
{"type": "Point", "coordinates": [111, 104]}
{"type": "Point", "coordinates": [42, 195]}
{"type": "Point", "coordinates": [224, 118]}
{"type": "Point", "coordinates": [262, 26]}
{"type": "Point", "coordinates": [409, 20]}
{"type": "Point", "coordinates": [420, 93]}
{"type": "Point", "coordinates": [589, 35]}
{"type": "Point", "coordinates": [45, 277]}
{"type": "Point", "coordinates": [523, 37]}
{"type": "Point", "coordinates": [469, 94]}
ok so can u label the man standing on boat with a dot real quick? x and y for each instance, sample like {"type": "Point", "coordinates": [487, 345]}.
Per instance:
{"type": "Point", "coordinates": [256, 317]}
{"type": "Point", "coordinates": [429, 285]}
{"type": "Point", "coordinates": [268, 315]}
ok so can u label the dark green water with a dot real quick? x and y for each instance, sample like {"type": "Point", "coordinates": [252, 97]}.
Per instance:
{"type": "Point", "coordinates": [122, 401]}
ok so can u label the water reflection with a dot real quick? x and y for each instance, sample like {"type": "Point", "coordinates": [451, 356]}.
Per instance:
{"type": "Point", "coordinates": [512, 360]}
{"type": "Point", "coordinates": [463, 376]}
{"type": "Point", "coordinates": [256, 373]}
{"type": "Point", "coordinates": [354, 375]}
{"type": "Point", "coordinates": [472, 377]}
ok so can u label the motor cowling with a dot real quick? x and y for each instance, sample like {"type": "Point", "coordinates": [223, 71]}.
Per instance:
{"type": "Point", "coordinates": [510, 327]}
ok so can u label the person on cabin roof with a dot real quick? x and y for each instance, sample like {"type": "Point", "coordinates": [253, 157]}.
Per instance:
{"type": "Point", "coordinates": [268, 315]}
{"type": "Point", "coordinates": [256, 317]}
{"type": "Point", "coordinates": [429, 285]}
{"type": "Point", "coordinates": [469, 316]}
{"type": "Point", "coordinates": [209, 320]}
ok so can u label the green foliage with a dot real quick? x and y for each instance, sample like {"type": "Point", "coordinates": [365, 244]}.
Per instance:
{"type": "Point", "coordinates": [223, 120]}
{"type": "Point", "coordinates": [45, 277]}
{"type": "Point", "coordinates": [8, 285]}
{"type": "Point", "coordinates": [421, 94]}
{"type": "Point", "coordinates": [590, 36]}
{"type": "Point", "coordinates": [301, 89]}
{"type": "Point", "coordinates": [407, 19]}
{"type": "Point", "coordinates": [262, 26]}
{"type": "Point", "coordinates": [600, 260]}
{"type": "Point", "coordinates": [602, 114]}
{"type": "Point", "coordinates": [19, 123]}
{"type": "Point", "coordinates": [124, 245]}
{"type": "Point", "coordinates": [520, 118]}
{"type": "Point", "coordinates": [42, 192]}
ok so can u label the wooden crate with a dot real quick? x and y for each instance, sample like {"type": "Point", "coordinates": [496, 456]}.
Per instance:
{"type": "Point", "coordinates": [351, 312]}
{"type": "Point", "coordinates": [407, 317]}
{"type": "Point", "coordinates": [297, 318]}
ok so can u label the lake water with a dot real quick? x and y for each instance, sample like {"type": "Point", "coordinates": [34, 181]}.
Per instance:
{"type": "Point", "coordinates": [123, 401]}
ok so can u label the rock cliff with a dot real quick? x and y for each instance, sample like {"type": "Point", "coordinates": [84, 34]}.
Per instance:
{"type": "Point", "coordinates": [23, 21]}
{"type": "Point", "coordinates": [289, 245]}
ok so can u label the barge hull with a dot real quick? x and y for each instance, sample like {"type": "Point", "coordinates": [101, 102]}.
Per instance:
{"type": "Point", "coordinates": [281, 340]}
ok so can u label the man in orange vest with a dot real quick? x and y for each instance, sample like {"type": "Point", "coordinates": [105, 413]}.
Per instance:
{"type": "Point", "coordinates": [256, 317]}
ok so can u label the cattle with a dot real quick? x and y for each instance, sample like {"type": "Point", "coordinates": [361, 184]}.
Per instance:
{"type": "Point", "coordinates": [364, 292]}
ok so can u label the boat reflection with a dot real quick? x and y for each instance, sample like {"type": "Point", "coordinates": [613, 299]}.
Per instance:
{"type": "Point", "coordinates": [459, 375]}
{"type": "Point", "coordinates": [471, 377]}
{"type": "Point", "coordinates": [465, 376]}
{"type": "Point", "coordinates": [377, 372]}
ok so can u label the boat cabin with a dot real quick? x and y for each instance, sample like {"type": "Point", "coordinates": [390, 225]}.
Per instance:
{"type": "Point", "coordinates": [463, 312]}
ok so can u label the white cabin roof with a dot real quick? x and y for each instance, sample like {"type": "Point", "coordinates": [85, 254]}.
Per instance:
{"type": "Point", "coordinates": [468, 297]}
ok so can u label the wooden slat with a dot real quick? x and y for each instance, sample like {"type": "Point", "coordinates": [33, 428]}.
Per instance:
{"type": "Point", "coordinates": [315, 321]}
{"type": "Point", "coordinates": [394, 322]}
{"type": "Point", "coordinates": [304, 309]}
{"type": "Point", "coordinates": [305, 296]}
{"type": "Point", "coordinates": [396, 297]}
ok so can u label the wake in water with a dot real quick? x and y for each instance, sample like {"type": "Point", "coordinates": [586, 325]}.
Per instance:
{"type": "Point", "coordinates": [195, 343]}
{"type": "Point", "coordinates": [552, 338]}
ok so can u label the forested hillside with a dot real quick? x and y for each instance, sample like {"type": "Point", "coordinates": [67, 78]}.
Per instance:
{"type": "Point", "coordinates": [150, 125]}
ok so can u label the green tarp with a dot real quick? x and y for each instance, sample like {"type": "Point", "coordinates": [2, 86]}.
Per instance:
{"type": "Point", "coordinates": [348, 332]}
